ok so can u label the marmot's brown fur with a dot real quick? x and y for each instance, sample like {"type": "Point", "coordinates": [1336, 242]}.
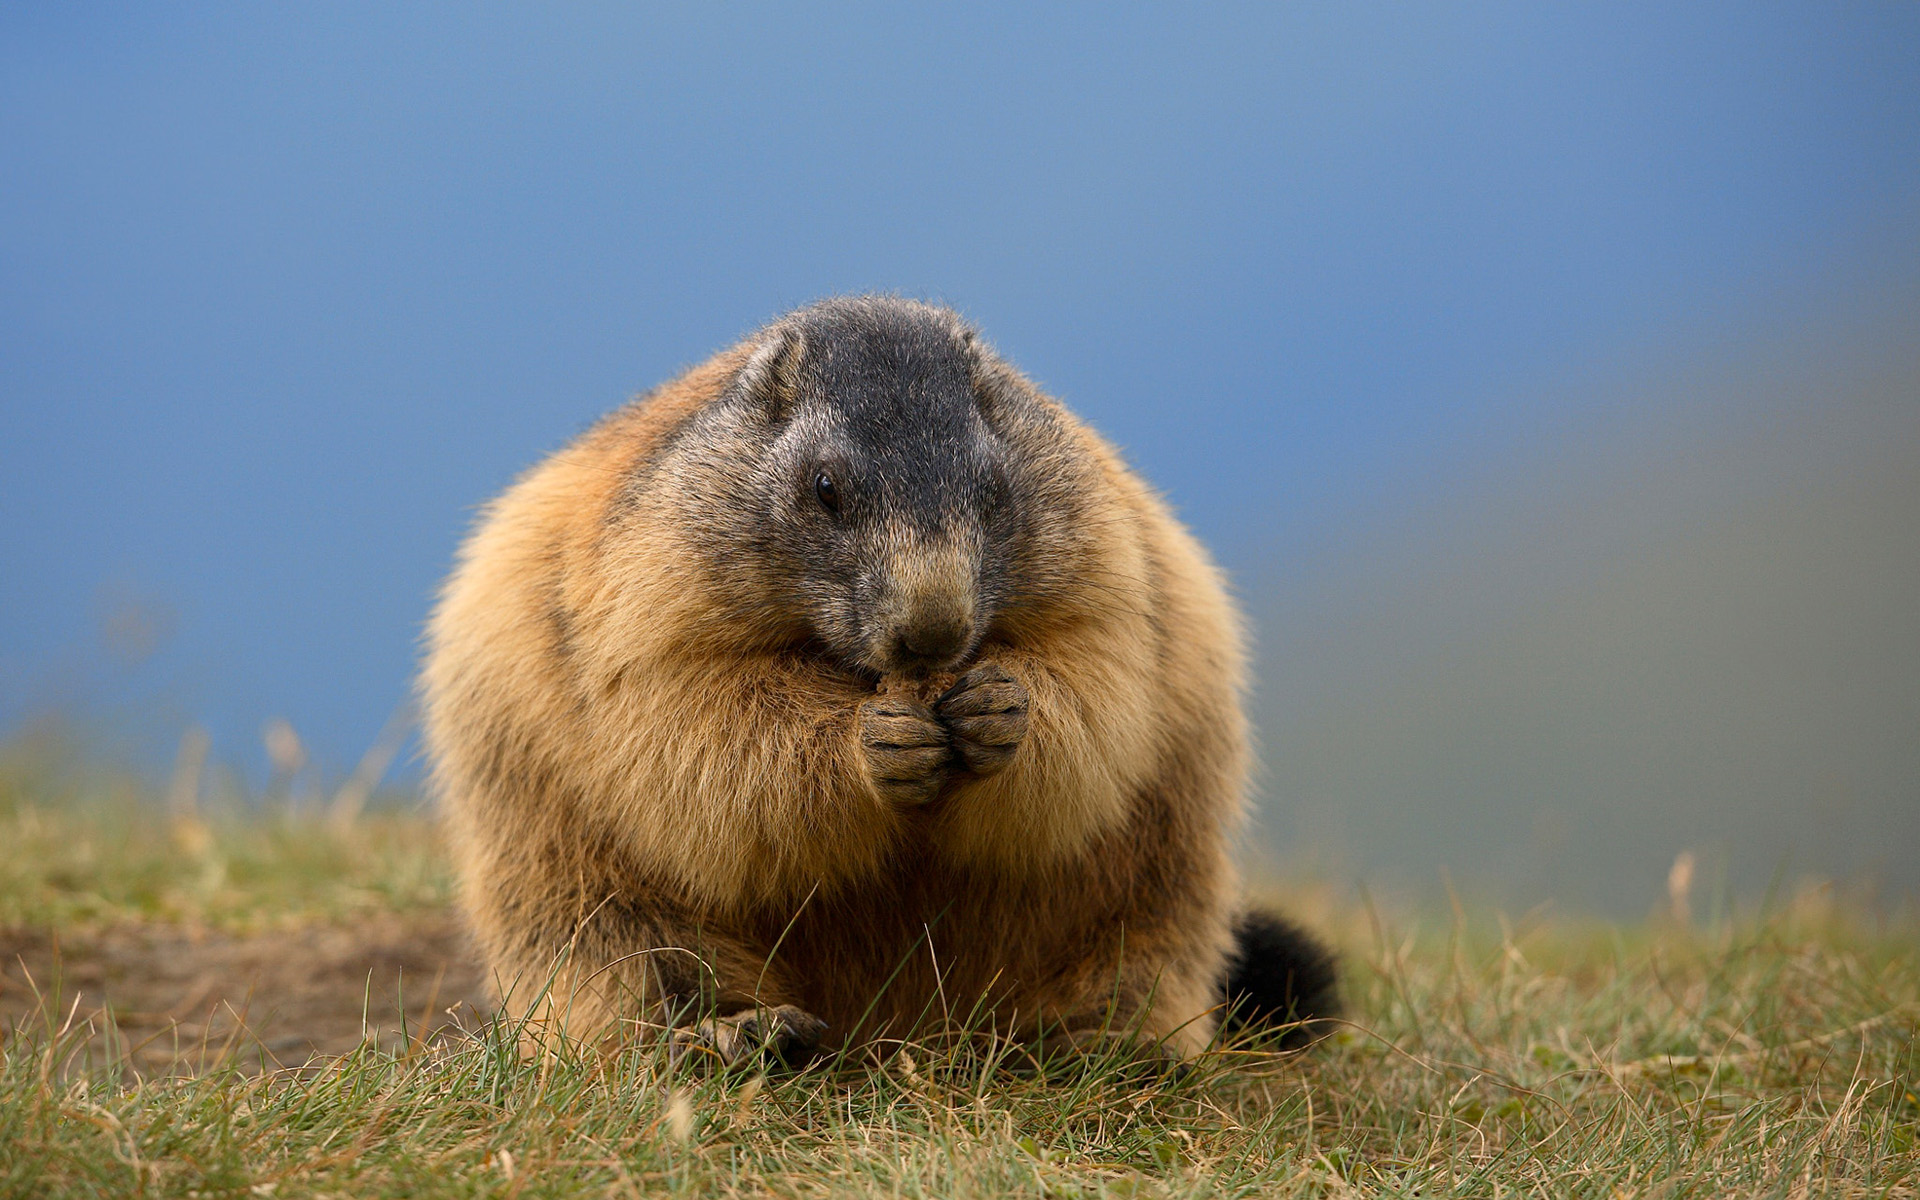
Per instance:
{"type": "Point", "coordinates": [849, 679]}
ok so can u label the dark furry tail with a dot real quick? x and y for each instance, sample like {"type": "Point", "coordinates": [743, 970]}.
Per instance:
{"type": "Point", "coordinates": [1280, 976]}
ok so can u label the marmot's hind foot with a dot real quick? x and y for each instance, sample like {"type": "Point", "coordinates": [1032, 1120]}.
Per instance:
{"type": "Point", "coordinates": [785, 1033]}
{"type": "Point", "coordinates": [1125, 1053]}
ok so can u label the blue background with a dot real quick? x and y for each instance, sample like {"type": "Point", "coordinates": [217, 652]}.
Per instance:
{"type": "Point", "coordinates": [1437, 322]}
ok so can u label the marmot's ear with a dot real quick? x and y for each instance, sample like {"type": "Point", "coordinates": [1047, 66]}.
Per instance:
{"type": "Point", "coordinates": [996, 384]}
{"type": "Point", "coordinates": [771, 377]}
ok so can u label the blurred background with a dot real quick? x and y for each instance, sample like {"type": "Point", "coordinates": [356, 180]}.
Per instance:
{"type": "Point", "coordinates": [1548, 377]}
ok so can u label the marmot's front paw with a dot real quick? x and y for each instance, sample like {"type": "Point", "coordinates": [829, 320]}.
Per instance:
{"type": "Point", "coordinates": [909, 752]}
{"type": "Point", "coordinates": [987, 712]}
{"type": "Point", "coordinates": [785, 1033]}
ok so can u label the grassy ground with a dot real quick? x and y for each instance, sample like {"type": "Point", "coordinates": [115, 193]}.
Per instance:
{"type": "Point", "coordinates": [241, 1007]}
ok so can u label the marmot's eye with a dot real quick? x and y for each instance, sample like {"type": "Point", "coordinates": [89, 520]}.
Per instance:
{"type": "Point", "coordinates": [826, 493]}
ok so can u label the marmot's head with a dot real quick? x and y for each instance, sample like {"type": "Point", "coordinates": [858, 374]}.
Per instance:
{"type": "Point", "coordinates": [875, 481]}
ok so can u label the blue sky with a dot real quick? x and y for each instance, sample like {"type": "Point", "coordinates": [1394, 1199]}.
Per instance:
{"type": "Point", "coordinates": [286, 291]}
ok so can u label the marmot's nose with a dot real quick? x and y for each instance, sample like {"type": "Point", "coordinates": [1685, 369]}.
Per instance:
{"type": "Point", "coordinates": [925, 602]}
{"type": "Point", "coordinates": [932, 643]}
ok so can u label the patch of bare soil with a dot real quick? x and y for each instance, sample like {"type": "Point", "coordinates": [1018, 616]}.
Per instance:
{"type": "Point", "coordinates": [186, 999]}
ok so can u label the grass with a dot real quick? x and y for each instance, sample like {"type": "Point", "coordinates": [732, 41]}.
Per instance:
{"type": "Point", "coordinates": [1769, 1055]}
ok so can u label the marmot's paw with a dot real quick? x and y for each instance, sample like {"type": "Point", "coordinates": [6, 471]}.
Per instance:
{"type": "Point", "coordinates": [987, 712]}
{"type": "Point", "coordinates": [909, 753]}
{"type": "Point", "coordinates": [1125, 1051]}
{"type": "Point", "coordinates": [785, 1033]}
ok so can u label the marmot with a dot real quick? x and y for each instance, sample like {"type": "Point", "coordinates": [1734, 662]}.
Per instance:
{"type": "Point", "coordinates": [845, 686]}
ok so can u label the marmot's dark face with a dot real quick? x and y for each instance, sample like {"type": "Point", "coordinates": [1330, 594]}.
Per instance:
{"type": "Point", "coordinates": [881, 505]}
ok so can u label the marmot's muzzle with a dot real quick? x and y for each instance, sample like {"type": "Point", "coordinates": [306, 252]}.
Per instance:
{"type": "Point", "coordinates": [928, 617]}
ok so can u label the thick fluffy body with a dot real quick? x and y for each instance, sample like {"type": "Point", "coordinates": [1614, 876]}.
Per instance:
{"type": "Point", "coordinates": [676, 706]}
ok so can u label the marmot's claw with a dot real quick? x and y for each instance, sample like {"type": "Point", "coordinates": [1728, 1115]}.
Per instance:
{"type": "Point", "coordinates": [785, 1033]}
{"type": "Point", "coordinates": [909, 752]}
{"type": "Point", "coordinates": [987, 713]}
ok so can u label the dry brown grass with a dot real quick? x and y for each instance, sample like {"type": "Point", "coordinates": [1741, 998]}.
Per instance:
{"type": "Point", "coordinates": [1769, 1055]}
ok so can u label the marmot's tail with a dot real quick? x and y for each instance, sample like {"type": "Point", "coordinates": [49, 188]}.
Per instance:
{"type": "Point", "coordinates": [1280, 975]}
